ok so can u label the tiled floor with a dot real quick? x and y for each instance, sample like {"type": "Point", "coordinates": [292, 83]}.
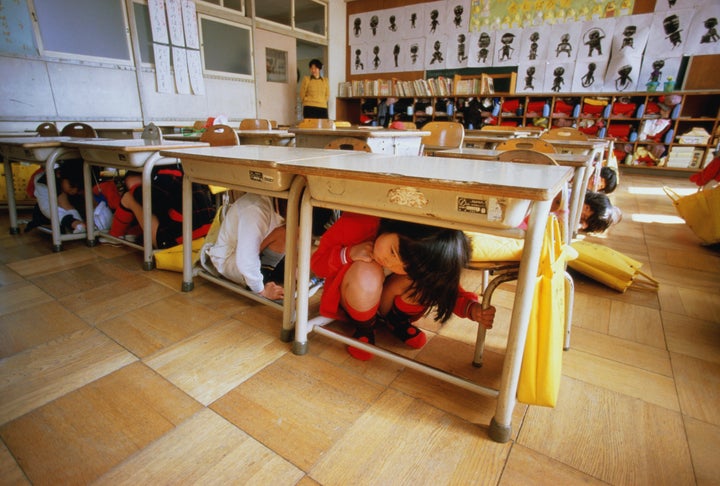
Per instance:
{"type": "Point", "coordinates": [112, 375]}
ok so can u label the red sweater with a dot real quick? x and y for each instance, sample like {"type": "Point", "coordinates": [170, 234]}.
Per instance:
{"type": "Point", "coordinates": [352, 229]}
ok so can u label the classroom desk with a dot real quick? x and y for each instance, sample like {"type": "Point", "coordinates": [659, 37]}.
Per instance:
{"type": "Point", "coordinates": [445, 192]}
{"type": "Point", "coordinates": [380, 140]}
{"type": "Point", "coordinates": [507, 132]}
{"type": "Point", "coordinates": [18, 134]}
{"type": "Point", "coordinates": [247, 137]}
{"type": "Point", "coordinates": [579, 162]}
{"type": "Point", "coordinates": [42, 151]}
{"type": "Point", "coordinates": [255, 169]}
{"type": "Point", "coordinates": [119, 133]}
{"type": "Point", "coordinates": [132, 154]}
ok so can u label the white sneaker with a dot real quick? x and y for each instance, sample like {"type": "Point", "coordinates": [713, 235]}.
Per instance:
{"type": "Point", "coordinates": [80, 228]}
{"type": "Point", "coordinates": [316, 283]}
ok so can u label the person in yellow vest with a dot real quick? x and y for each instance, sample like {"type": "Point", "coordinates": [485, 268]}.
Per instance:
{"type": "Point", "coordinates": [315, 92]}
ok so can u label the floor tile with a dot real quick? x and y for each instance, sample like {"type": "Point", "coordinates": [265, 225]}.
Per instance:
{"type": "Point", "coordinates": [146, 330]}
{"type": "Point", "coordinates": [585, 433]}
{"type": "Point", "coordinates": [525, 466]}
{"type": "Point", "coordinates": [205, 449]}
{"type": "Point", "coordinates": [83, 434]}
{"type": "Point", "coordinates": [214, 361]}
{"type": "Point", "coordinates": [420, 434]}
{"type": "Point", "coordinates": [282, 406]}
{"type": "Point", "coordinates": [36, 325]}
{"type": "Point", "coordinates": [698, 386]}
{"type": "Point", "coordinates": [48, 371]}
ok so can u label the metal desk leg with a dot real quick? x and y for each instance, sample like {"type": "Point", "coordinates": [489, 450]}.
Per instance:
{"type": "Point", "coordinates": [12, 207]}
{"type": "Point", "coordinates": [89, 206]}
{"type": "Point", "coordinates": [577, 197]}
{"type": "Point", "coordinates": [300, 345]}
{"type": "Point", "coordinates": [148, 262]}
{"type": "Point", "coordinates": [501, 424]}
{"type": "Point", "coordinates": [291, 235]}
{"type": "Point", "coordinates": [56, 155]}
{"type": "Point", "coordinates": [187, 283]}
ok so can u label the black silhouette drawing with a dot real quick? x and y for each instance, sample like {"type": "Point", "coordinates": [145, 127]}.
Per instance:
{"type": "Point", "coordinates": [558, 80]}
{"type": "Point", "coordinates": [564, 46]}
{"type": "Point", "coordinates": [588, 78]}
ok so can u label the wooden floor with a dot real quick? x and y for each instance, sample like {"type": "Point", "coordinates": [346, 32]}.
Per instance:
{"type": "Point", "coordinates": [111, 375]}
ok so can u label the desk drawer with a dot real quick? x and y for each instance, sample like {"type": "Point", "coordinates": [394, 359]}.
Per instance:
{"type": "Point", "coordinates": [494, 212]}
{"type": "Point", "coordinates": [115, 158]}
{"type": "Point", "coordinates": [224, 174]}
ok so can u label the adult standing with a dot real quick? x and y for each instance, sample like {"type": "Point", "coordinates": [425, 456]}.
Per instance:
{"type": "Point", "coordinates": [315, 92]}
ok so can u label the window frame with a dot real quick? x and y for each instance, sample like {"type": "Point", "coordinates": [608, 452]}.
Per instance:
{"type": "Point", "coordinates": [299, 32]}
{"type": "Point", "coordinates": [210, 72]}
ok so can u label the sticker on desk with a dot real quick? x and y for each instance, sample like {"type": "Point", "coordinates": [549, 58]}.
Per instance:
{"type": "Point", "coordinates": [472, 205]}
{"type": "Point", "coordinates": [407, 196]}
{"type": "Point", "coordinates": [257, 176]}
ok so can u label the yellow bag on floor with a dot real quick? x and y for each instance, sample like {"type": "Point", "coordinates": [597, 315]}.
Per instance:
{"type": "Point", "coordinates": [172, 258]}
{"type": "Point", "coordinates": [701, 212]}
{"type": "Point", "coordinates": [610, 267]}
{"type": "Point", "coordinates": [541, 369]}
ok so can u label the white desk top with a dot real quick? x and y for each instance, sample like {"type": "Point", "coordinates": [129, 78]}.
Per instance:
{"type": "Point", "coordinates": [570, 160]}
{"type": "Point", "coordinates": [359, 132]}
{"type": "Point", "coordinates": [35, 142]}
{"type": "Point", "coordinates": [267, 155]}
{"type": "Point", "coordinates": [129, 145]}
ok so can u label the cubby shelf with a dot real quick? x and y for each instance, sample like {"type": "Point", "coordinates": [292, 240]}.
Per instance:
{"type": "Point", "coordinates": [677, 130]}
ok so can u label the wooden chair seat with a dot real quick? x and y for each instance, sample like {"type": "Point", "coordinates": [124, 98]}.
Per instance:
{"type": "Point", "coordinates": [564, 133]}
{"type": "Point", "coordinates": [349, 143]}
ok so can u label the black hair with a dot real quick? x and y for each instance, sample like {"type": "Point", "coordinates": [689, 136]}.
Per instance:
{"type": "Point", "coordinates": [72, 170]}
{"type": "Point", "coordinates": [610, 177]}
{"type": "Point", "coordinates": [434, 259]}
{"type": "Point", "coordinates": [316, 62]}
{"type": "Point", "coordinates": [604, 214]}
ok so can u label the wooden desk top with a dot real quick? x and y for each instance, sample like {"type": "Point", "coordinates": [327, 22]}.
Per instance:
{"type": "Point", "coordinates": [570, 160]}
{"type": "Point", "coordinates": [129, 145]}
{"type": "Point", "coordinates": [359, 132]}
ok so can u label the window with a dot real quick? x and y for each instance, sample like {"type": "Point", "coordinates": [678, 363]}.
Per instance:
{"type": "Point", "coordinates": [231, 4]}
{"type": "Point", "coordinates": [310, 16]}
{"type": "Point", "coordinates": [305, 15]}
{"type": "Point", "coordinates": [84, 28]}
{"type": "Point", "coordinates": [226, 47]}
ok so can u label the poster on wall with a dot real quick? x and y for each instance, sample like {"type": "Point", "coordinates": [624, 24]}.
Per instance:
{"type": "Point", "coordinates": [668, 33]}
{"type": "Point", "coordinates": [558, 77]}
{"type": "Point", "coordinates": [276, 63]}
{"type": "Point", "coordinates": [412, 21]}
{"type": "Point", "coordinates": [507, 47]}
{"type": "Point", "coordinates": [596, 39]}
{"type": "Point", "coordinates": [534, 43]}
{"type": "Point", "coordinates": [564, 41]}
{"type": "Point", "coordinates": [658, 70]}
{"type": "Point", "coordinates": [458, 15]}
{"type": "Point", "coordinates": [458, 52]}
{"type": "Point", "coordinates": [531, 77]}
{"type": "Point", "coordinates": [704, 36]}
{"type": "Point", "coordinates": [435, 19]}
{"type": "Point", "coordinates": [631, 35]}
{"type": "Point", "coordinates": [589, 76]}
{"type": "Point", "coordinates": [673, 5]}
{"type": "Point", "coordinates": [623, 73]}
{"type": "Point", "coordinates": [482, 47]}
{"type": "Point", "coordinates": [435, 52]}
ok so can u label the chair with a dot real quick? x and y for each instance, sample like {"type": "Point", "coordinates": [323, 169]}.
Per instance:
{"type": "Point", "coordinates": [79, 130]}
{"type": "Point", "coordinates": [316, 123]}
{"type": "Point", "coordinates": [505, 271]}
{"type": "Point", "coordinates": [255, 124]}
{"type": "Point", "coordinates": [527, 144]}
{"type": "Point", "coordinates": [47, 129]}
{"type": "Point", "coordinates": [443, 136]}
{"type": "Point", "coordinates": [220, 135]}
{"type": "Point", "coordinates": [349, 143]}
{"type": "Point", "coordinates": [152, 134]}
{"type": "Point", "coordinates": [564, 133]}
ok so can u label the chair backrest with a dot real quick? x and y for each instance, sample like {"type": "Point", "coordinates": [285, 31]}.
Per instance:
{"type": "Point", "coordinates": [349, 143]}
{"type": "Point", "coordinates": [47, 129]}
{"type": "Point", "coordinates": [443, 135]}
{"type": "Point", "coordinates": [81, 130]}
{"type": "Point", "coordinates": [403, 125]}
{"type": "Point", "coordinates": [220, 135]}
{"type": "Point", "coordinates": [564, 133]}
{"type": "Point", "coordinates": [152, 133]}
{"type": "Point", "coordinates": [198, 125]}
{"type": "Point", "coordinates": [255, 124]}
{"type": "Point", "coordinates": [316, 123]}
{"type": "Point", "coordinates": [527, 144]}
{"type": "Point", "coordinates": [526, 156]}
{"type": "Point", "coordinates": [273, 124]}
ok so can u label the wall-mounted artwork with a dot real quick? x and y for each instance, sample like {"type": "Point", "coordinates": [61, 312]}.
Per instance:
{"type": "Point", "coordinates": [482, 48]}
{"type": "Point", "coordinates": [558, 77]}
{"type": "Point", "coordinates": [276, 65]}
{"type": "Point", "coordinates": [668, 33]}
{"type": "Point", "coordinates": [531, 77]}
{"type": "Point", "coordinates": [589, 76]}
{"type": "Point", "coordinates": [704, 32]}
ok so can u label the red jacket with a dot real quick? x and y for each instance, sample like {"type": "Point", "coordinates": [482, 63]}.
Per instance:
{"type": "Point", "coordinates": [352, 229]}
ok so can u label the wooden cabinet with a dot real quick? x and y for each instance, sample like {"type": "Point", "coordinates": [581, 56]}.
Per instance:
{"type": "Point", "coordinates": [676, 131]}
